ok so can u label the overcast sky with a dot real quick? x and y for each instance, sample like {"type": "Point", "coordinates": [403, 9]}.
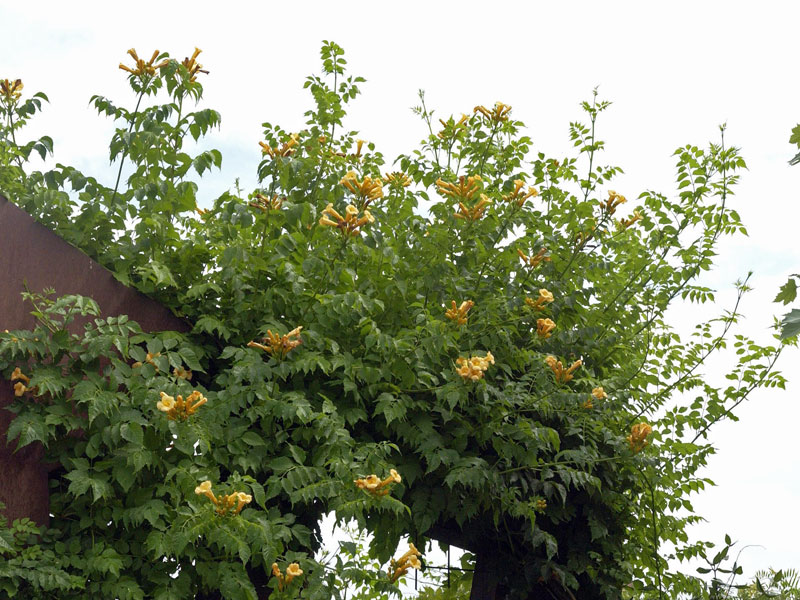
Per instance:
{"type": "Point", "coordinates": [674, 70]}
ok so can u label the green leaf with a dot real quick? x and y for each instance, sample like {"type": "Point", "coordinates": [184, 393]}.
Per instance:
{"type": "Point", "coordinates": [30, 428]}
{"type": "Point", "coordinates": [190, 358]}
{"type": "Point", "coordinates": [251, 438]}
{"type": "Point", "coordinates": [235, 584]}
{"type": "Point", "coordinates": [132, 432]}
{"type": "Point", "coordinates": [108, 561]}
{"type": "Point", "coordinates": [788, 291]}
{"type": "Point", "coordinates": [795, 137]}
{"type": "Point", "coordinates": [790, 324]}
{"type": "Point", "coordinates": [6, 540]}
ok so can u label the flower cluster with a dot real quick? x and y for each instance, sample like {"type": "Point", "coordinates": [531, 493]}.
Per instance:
{"type": "Point", "coordinates": [459, 314]}
{"type": "Point", "coordinates": [349, 224]}
{"type": "Point", "coordinates": [614, 200]}
{"type": "Point", "coordinates": [397, 179]}
{"type": "Point", "coordinates": [142, 68]}
{"type": "Point", "coordinates": [451, 128]}
{"type": "Point", "coordinates": [598, 393]}
{"type": "Point", "coordinates": [22, 380]}
{"type": "Point", "coordinates": [228, 504]}
{"type": "Point", "coordinates": [545, 297]}
{"type": "Point", "coordinates": [193, 66]}
{"type": "Point", "coordinates": [368, 190]}
{"type": "Point", "coordinates": [518, 196]}
{"type": "Point", "coordinates": [638, 437]}
{"type": "Point", "coordinates": [178, 408]}
{"type": "Point", "coordinates": [497, 115]}
{"type": "Point", "coordinates": [149, 359]}
{"type": "Point", "coordinates": [544, 328]}
{"type": "Point", "coordinates": [279, 345]}
{"type": "Point", "coordinates": [377, 487]}
{"type": "Point", "coordinates": [562, 375]}
{"type": "Point", "coordinates": [540, 504]}
{"type": "Point", "coordinates": [264, 204]}
{"type": "Point", "coordinates": [11, 90]}
{"type": "Point", "coordinates": [292, 571]}
{"type": "Point", "coordinates": [409, 560]}
{"type": "Point", "coordinates": [473, 368]}
{"type": "Point", "coordinates": [465, 189]}
{"type": "Point", "coordinates": [182, 373]}
{"type": "Point", "coordinates": [474, 213]}
{"type": "Point", "coordinates": [534, 260]}
{"type": "Point", "coordinates": [286, 150]}
{"type": "Point", "coordinates": [625, 223]}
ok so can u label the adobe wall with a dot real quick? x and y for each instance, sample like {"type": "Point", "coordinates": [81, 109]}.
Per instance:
{"type": "Point", "coordinates": [32, 254]}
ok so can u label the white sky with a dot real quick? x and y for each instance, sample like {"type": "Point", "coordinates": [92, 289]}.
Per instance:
{"type": "Point", "coordinates": [674, 70]}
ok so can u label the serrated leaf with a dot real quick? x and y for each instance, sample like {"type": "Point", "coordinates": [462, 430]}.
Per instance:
{"type": "Point", "coordinates": [788, 292]}
{"type": "Point", "coordinates": [790, 326]}
{"type": "Point", "coordinates": [27, 429]}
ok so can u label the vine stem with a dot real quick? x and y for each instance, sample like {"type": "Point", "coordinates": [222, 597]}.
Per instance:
{"type": "Point", "coordinates": [125, 154]}
{"type": "Point", "coordinates": [656, 556]}
{"type": "Point", "coordinates": [177, 138]}
{"type": "Point", "coordinates": [13, 136]}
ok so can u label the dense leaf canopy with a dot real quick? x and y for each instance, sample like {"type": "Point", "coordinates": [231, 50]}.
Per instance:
{"type": "Point", "coordinates": [486, 321]}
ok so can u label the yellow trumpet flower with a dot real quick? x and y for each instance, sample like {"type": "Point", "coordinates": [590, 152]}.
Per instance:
{"type": "Point", "coordinates": [638, 437]}
{"type": "Point", "coordinates": [149, 359]}
{"type": "Point", "coordinates": [518, 196]}
{"type": "Point", "coordinates": [534, 260]}
{"type": "Point", "coordinates": [459, 314]}
{"type": "Point", "coordinates": [625, 223]}
{"type": "Point", "coordinates": [182, 373]}
{"type": "Point", "coordinates": [142, 68]}
{"type": "Point", "coordinates": [544, 328]}
{"type": "Point", "coordinates": [292, 571]}
{"type": "Point", "coordinates": [228, 504]}
{"type": "Point", "coordinates": [562, 375]}
{"type": "Point", "coordinates": [193, 66]}
{"type": "Point", "coordinates": [464, 190]}
{"type": "Point", "coordinates": [472, 369]}
{"type": "Point", "coordinates": [377, 487]}
{"type": "Point", "coordinates": [498, 114]}
{"type": "Point", "coordinates": [409, 560]}
{"type": "Point", "coordinates": [265, 204]}
{"type": "Point", "coordinates": [176, 408]}
{"type": "Point", "coordinates": [279, 345]}
{"type": "Point", "coordinates": [545, 297]}
{"type": "Point", "coordinates": [11, 90]}
{"type": "Point", "coordinates": [286, 150]}
{"type": "Point", "coordinates": [474, 213]}
{"type": "Point", "coordinates": [18, 374]}
{"type": "Point", "coordinates": [350, 224]}
{"type": "Point", "coordinates": [367, 190]}
{"type": "Point", "coordinates": [453, 128]}
{"type": "Point", "coordinates": [397, 179]}
{"type": "Point", "coordinates": [614, 200]}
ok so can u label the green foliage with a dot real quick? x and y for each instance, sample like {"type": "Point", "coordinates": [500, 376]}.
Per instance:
{"type": "Point", "coordinates": [780, 585]}
{"type": "Point", "coordinates": [795, 139]}
{"type": "Point", "coordinates": [790, 326]}
{"type": "Point", "coordinates": [526, 465]}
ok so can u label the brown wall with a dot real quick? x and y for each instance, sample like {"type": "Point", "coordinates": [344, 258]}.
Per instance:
{"type": "Point", "coordinates": [32, 254]}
